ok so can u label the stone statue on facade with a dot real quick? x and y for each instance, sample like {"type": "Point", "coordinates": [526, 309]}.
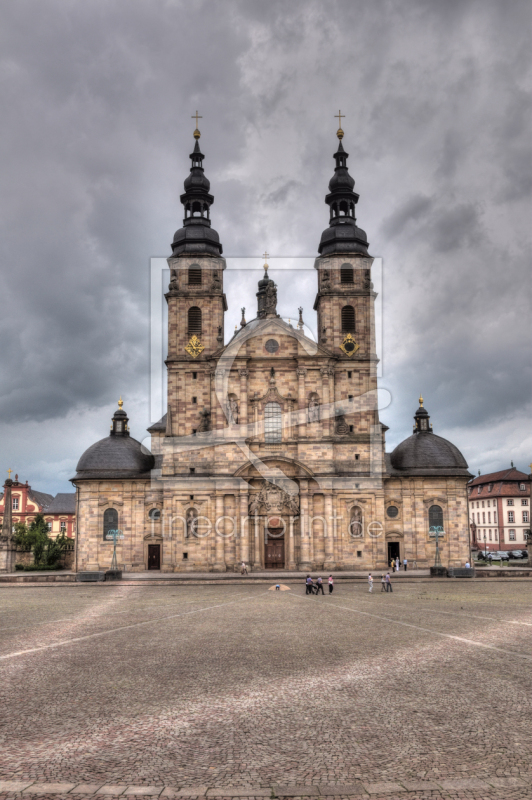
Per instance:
{"type": "Point", "coordinates": [232, 409]}
{"type": "Point", "coordinates": [191, 523]}
{"type": "Point", "coordinates": [205, 421]}
{"type": "Point", "coordinates": [314, 410]}
{"type": "Point", "coordinates": [271, 299]}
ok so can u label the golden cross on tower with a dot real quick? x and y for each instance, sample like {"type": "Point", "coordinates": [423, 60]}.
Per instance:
{"type": "Point", "coordinates": [265, 256]}
{"type": "Point", "coordinates": [196, 133]}
{"type": "Point", "coordinates": [9, 472]}
{"type": "Point", "coordinates": [340, 132]}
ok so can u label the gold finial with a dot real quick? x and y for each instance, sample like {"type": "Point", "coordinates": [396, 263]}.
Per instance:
{"type": "Point", "coordinates": [420, 401]}
{"type": "Point", "coordinates": [120, 403]}
{"type": "Point", "coordinates": [340, 132]}
{"type": "Point", "coordinates": [9, 472]}
{"type": "Point", "coordinates": [196, 133]}
{"type": "Point", "coordinates": [530, 467]}
{"type": "Point", "coordinates": [265, 256]}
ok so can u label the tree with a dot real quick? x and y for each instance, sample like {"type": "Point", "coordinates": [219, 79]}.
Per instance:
{"type": "Point", "coordinates": [46, 551]}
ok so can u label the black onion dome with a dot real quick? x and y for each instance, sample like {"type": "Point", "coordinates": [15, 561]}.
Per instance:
{"type": "Point", "coordinates": [197, 236]}
{"type": "Point", "coordinates": [343, 235]}
{"type": "Point", "coordinates": [423, 451]}
{"type": "Point", "coordinates": [115, 457]}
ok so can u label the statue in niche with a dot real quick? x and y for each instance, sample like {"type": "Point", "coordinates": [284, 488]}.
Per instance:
{"type": "Point", "coordinates": [355, 523]}
{"type": "Point", "coordinates": [314, 409]}
{"type": "Point", "coordinates": [232, 408]}
{"type": "Point", "coordinates": [205, 421]}
{"type": "Point", "coordinates": [191, 518]}
{"type": "Point", "coordinates": [173, 280]}
{"type": "Point", "coordinates": [220, 337]}
{"type": "Point", "coordinates": [216, 283]}
{"type": "Point", "coordinates": [326, 280]}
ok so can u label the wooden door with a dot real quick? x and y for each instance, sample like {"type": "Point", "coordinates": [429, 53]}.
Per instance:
{"type": "Point", "coordinates": [154, 556]}
{"type": "Point", "coordinates": [274, 554]}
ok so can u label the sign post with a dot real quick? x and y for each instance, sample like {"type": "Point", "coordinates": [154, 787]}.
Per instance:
{"type": "Point", "coordinates": [437, 531]}
{"type": "Point", "coordinates": [113, 535]}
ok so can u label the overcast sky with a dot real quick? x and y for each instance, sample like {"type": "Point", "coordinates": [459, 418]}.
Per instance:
{"type": "Point", "coordinates": [97, 99]}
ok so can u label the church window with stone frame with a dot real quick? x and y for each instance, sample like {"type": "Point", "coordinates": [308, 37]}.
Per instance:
{"type": "Point", "coordinates": [348, 319]}
{"type": "Point", "coordinates": [110, 521]}
{"type": "Point", "coordinates": [435, 517]}
{"type": "Point", "coordinates": [15, 503]}
{"type": "Point", "coordinates": [154, 514]}
{"type": "Point", "coordinates": [194, 321]}
{"type": "Point", "coordinates": [272, 422]}
{"type": "Point", "coordinates": [194, 276]}
{"type": "Point", "coordinates": [346, 274]}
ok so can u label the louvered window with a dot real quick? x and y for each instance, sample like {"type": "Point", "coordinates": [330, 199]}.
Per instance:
{"type": "Point", "coordinates": [348, 319]}
{"type": "Point", "coordinates": [194, 276]}
{"type": "Point", "coordinates": [194, 321]}
{"type": "Point", "coordinates": [346, 274]}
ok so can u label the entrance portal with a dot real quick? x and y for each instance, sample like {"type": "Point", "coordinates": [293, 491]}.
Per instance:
{"type": "Point", "coordinates": [274, 550]}
{"type": "Point", "coordinates": [154, 556]}
{"type": "Point", "coordinates": [393, 551]}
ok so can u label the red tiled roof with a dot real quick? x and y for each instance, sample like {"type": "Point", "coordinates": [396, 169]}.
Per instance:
{"type": "Point", "coordinates": [511, 474]}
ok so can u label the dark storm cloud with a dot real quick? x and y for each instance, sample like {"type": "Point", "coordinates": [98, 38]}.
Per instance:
{"type": "Point", "coordinates": [97, 101]}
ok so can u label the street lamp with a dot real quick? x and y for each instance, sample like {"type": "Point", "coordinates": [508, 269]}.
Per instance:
{"type": "Point", "coordinates": [485, 545]}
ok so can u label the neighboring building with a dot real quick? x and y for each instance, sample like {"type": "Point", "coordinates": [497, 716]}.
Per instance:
{"type": "Point", "coordinates": [499, 510]}
{"type": "Point", "coordinates": [271, 451]}
{"type": "Point", "coordinates": [59, 511]}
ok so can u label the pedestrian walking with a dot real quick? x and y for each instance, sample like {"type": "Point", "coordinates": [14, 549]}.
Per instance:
{"type": "Point", "coordinates": [389, 587]}
{"type": "Point", "coordinates": [308, 585]}
{"type": "Point", "coordinates": [383, 584]}
{"type": "Point", "coordinates": [397, 564]}
{"type": "Point", "coordinates": [405, 564]}
{"type": "Point", "coordinates": [319, 585]}
{"type": "Point", "coordinates": [370, 582]}
{"type": "Point", "coordinates": [331, 584]}
{"type": "Point", "coordinates": [243, 568]}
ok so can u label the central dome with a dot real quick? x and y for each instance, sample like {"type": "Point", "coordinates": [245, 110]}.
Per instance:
{"type": "Point", "coordinates": [423, 451]}
{"type": "Point", "coordinates": [115, 456]}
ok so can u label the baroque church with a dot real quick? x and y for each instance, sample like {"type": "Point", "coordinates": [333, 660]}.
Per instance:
{"type": "Point", "coordinates": [271, 451]}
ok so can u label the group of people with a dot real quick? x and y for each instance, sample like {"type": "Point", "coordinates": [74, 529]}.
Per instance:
{"type": "Point", "coordinates": [395, 564]}
{"type": "Point", "coordinates": [386, 583]}
{"type": "Point", "coordinates": [315, 587]}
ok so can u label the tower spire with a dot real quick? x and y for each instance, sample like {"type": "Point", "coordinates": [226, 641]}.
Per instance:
{"type": "Point", "coordinates": [342, 235]}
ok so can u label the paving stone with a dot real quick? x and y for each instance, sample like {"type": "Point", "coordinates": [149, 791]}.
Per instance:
{"type": "Point", "coordinates": [510, 780]}
{"type": "Point", "coordinates": [383, 788]}
{"type": "Point", "coordinates": [297, 791]}
{"type": "Point", "coordinates": [420, 786]}
{"type": "Point", "coordinates": [14, 786]}
{"type": "Point", "coordinates": [193, 791]}
{"type": "Point", "coordinates": [338, 790]}
{"type": "Point", "coordinates": [49, 788]}
{"type": "Point", "coordinates": [152, 791]}
{"type": "Point", "coordinates": [86, 788]}
{"type": "Point", "coordinates": [112, 789]}
{"type": "Point", "coordinates": [232, 792]}
{"type": "Point", "coordinates": [463, 783]}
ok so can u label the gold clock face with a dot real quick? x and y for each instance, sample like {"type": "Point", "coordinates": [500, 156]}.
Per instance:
{"type": "Point", "coordinates": [194, 347]}
{"type": "Point", "coordinates": [349, 346]}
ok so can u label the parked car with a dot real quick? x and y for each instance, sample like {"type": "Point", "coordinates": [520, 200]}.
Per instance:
{"type": "Point", "coordinates": [518, 554]}
{"type": "Point", "coordinates": [501, 555]}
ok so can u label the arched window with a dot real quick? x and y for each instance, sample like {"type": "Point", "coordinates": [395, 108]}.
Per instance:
{"type": "Point", "coordinates": [110, 522]}
{"type": "Point", "coordinates": [194, 321]}
{"type": "Point", "coordinates": [435, 517]}
{"type": "Point", "coordinates": [196, 209]}
{"type": "Point", "coordinates": [194, 274]}
{"type": "Point", "coordinates": [348, 319]}
{"type": "Point", "coordinates": [346, 274]}
{"type": "Point", "coordinates": [154, 514]}
{"type": "Point", "coordinates": [343, 209]}
{"type": "Point", "coordinates": [272, 422]}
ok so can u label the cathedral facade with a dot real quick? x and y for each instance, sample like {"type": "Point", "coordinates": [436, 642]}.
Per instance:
{"type": "Point", "coordinates": [271, 451]}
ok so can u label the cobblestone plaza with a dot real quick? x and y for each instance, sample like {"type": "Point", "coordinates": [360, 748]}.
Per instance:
{"type": "Point", "coordinates": [237, 691]}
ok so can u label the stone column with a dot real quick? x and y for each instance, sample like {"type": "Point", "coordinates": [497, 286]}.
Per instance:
{"type": "Point", "coordinates": [326, 399]}
{"type": "Point", "coordinates": [328, 533]}
{"type": "Point", "coordinates": [304, 525]}
{"type": "Point", "coordinates": [290, 557]}
{"type": "Point", "coordinates": [219, 562]}
{"type": "Point", "coordinates": [257, 548]}
{"type": "Point", "coordinates": [244, 526]}
{"type": "Point", "coordinates": [8, 551]}
{"type": "Point", "coordinates": [243, 417]}
{"type": "Point", "coordinates": [302, 405]}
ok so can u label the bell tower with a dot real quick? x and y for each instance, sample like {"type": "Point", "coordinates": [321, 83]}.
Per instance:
{"type": "Point", "coordinates": [196, 302]}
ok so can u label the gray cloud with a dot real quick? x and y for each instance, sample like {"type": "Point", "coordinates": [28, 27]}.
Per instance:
{"type": "Point", "coordinates": [95, 144]}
